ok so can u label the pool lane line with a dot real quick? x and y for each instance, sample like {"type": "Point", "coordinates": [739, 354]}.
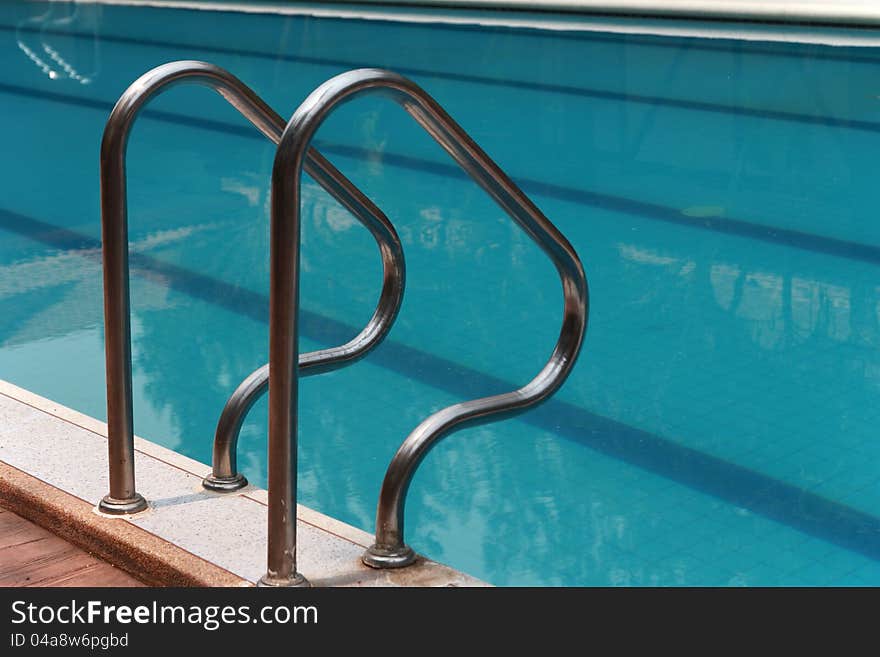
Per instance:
{"type": "Point", "coordinates": [598, 94]}
{"type": "Point", "coordinates": [737, 485]}
{"type": "Point", "coordinates": [643, 209]}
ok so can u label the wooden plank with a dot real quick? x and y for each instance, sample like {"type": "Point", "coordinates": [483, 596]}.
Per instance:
{"type": "Point", "coordinates": [146, 556]}
{"type": "Point", "coordinates": [33, 556]}
{"type": "Point", "coordinates": [35, 566]}
{"type": "Point", "coordinates": [13, 531]}
{"type": "Point", "coordinates": [100, 574]}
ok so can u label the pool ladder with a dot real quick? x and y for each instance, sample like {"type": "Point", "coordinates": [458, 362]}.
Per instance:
{"type": "Point", "coordinates": [286, 364]}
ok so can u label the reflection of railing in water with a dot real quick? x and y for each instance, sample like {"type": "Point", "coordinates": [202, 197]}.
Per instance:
{"type": "Point", "coordinates": [48, 58]}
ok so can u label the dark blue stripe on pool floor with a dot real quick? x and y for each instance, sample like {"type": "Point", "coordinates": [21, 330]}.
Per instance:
{"type": "Point", "coordinates": [780, 501]}
{"type": "Point", "coordinates": [727, 225]}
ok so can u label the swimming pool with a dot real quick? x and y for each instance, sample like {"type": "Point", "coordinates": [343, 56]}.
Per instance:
{"type": "Point", "coordinates": [719, 426]}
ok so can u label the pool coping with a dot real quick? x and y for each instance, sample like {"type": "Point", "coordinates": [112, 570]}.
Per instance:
{"type": "Point", "coordinates": [822, 12]}
{"type": "Point", "coordinates": [147, 557]}
{"type": "Point", "coordinates": [188, 536]}
{"type": "Point", "coordinates": [769, 23]}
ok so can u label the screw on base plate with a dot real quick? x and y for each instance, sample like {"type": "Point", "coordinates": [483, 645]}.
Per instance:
{"type": "Point", "coordinates": [225, 484]}
{"type": "Point", "coordinates": [384, 557]}
{"type": "Point", "coordinates": [117, 507]}
{"type": "Point", "coordinates": [297, 580]}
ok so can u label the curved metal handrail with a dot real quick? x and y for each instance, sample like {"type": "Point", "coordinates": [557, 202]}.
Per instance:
{"type": "Point", "coordinates": [123, 497]}
{"type": "Point", "coordinates": [224, 475]}
{"type": "Point", "coordinates": [389, 549]}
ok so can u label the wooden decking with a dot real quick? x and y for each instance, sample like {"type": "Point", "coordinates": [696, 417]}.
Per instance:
{"type": "Point", "coordinates": [32, 556]}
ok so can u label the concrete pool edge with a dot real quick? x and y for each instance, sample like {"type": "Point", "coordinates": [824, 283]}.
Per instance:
{"type": "Point", "coordinates": [833, 33]}
{"type": "Point", "coordinates": [145, 556]}
{"type": "Point", "coordinates": [821, 12]}
{"type": "Point", "coordinates": [189, 536]}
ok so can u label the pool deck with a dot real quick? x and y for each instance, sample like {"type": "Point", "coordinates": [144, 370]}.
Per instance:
{"type": "Point", "coordinates": [53, 471]}
{"type": "Point", "coordinates": [33, 556]}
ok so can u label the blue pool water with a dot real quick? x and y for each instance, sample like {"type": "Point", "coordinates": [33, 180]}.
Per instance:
{"type": "Point", "coordinates": [720, 426]}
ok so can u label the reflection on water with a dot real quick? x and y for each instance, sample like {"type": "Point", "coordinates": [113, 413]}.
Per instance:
{"type": "Point", "coordinates": [34, 37]}
{"type": "Point", "coordinates": [488, 488]}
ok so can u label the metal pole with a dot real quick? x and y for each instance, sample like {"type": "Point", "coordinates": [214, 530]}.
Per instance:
{"type": "Point", "coordinates": [122, 498]}
{"type": "Point", "coordinates": [283, 365]}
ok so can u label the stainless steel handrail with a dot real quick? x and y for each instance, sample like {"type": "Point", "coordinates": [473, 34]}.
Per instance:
{"type": "Point", "coordinates": [389, 549]}
{"type": "Point", "coordinates": [123, 497]}
{"type": "Point", "coordinates": [224, 476]}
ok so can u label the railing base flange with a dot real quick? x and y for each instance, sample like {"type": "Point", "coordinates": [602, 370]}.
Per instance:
{"type": "Point", "coordinates": [383, 557]}
{"type": "Point", "coordinates": [224, 484]}
{"type": "Point", "coordinates": [118, 507]}
{"type": "Point", "coordinates": [297, 581]}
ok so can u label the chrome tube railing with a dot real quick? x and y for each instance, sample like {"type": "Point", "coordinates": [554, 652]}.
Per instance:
{"type": "Point", "coordinates": [123, 497]}
{"type": "Point", "coordinates": [224, 476]}
{"type": "Point", "coordinates": [389, 549]}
